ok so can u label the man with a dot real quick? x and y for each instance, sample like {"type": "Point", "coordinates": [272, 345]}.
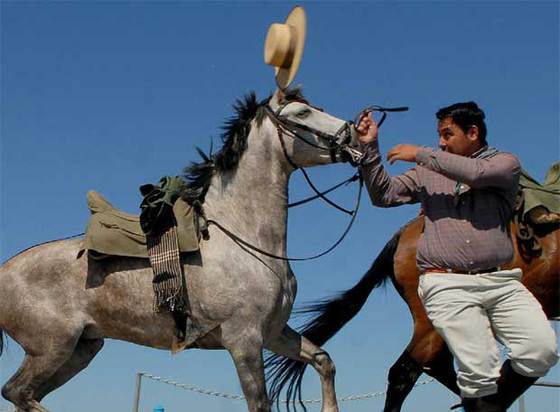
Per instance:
{"type": "Point", "coordinates": [467, 193]}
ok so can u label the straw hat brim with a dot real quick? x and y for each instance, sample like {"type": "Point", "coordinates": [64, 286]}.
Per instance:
{"type": "Point", "coordinates": [296, 19]}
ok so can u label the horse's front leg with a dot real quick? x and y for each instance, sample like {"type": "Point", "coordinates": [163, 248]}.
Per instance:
{"type": "Point", "coordinates": [402, 376]}
{"type": "Point", "coordinates": [294, 346]}
{"type": "Point", "coordinates": [246, 350]}
{"type": "Point", "coordinates": [426, 352]}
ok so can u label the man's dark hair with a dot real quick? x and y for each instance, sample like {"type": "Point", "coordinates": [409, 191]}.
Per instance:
{"type": "Point", "coordinates": [465, 115]}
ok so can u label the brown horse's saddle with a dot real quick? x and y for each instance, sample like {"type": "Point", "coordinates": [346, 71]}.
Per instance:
{"type": "Point", "coordinates": [537, 211]}
{"type": "Point", "coordinates": [541, 202]}
{"type": "Point", "coordinates": [114, 232]}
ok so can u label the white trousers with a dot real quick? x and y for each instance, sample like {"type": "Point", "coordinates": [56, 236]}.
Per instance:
{"type": "Point", "coordinates": [471, 311]}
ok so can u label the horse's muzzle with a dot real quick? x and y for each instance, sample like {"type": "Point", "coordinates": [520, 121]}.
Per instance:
{"type": "Point", "coordinates": [347, 143]}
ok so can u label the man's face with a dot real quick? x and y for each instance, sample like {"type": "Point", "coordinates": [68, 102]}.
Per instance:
{"type": "Point", "coordinates": [453, 139]}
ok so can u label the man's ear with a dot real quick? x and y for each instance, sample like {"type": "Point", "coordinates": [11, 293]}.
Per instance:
{"type": "Point", "coordinates": [472, 134]}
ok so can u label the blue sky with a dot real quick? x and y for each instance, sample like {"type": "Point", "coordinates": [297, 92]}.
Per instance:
{"type": "Point", "coordinates": [112, 95]}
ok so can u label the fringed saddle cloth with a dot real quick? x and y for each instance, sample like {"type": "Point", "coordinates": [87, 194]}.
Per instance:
{"type": "Point", "coordinates": [160, 227]}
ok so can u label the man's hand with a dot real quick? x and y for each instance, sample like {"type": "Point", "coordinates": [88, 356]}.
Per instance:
{"type": "Point", "coordinates": [367, 129]}
{"type": "Point", "coordinates": [405, 152]}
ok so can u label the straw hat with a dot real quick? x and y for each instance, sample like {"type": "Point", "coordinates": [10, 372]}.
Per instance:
{"type": "Point", "coordinates": [283, 47]}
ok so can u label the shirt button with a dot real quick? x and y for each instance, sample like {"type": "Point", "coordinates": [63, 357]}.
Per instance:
{"type": "Point", "coordinates": [468, 241]}
{"type": "Point", "coordinates": [462, 187]}
{"type": "Point", "coordinates": [471, 263]}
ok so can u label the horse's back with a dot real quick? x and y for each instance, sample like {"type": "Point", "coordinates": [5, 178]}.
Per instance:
{"type": "Point", "coordinates": [44, 268]}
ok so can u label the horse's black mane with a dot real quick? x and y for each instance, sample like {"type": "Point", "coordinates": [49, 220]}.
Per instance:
{"type": "Point", "coordinates": [236, 129]}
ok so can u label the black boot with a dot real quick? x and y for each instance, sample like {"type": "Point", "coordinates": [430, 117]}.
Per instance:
{"type": "Point", "coordinates": [511, 385]}
{"type": "Point", "coordinates": [490, 403]}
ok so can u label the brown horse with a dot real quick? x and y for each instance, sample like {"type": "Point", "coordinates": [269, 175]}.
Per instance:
{"type": "Point", "coordinates": [426, 352]}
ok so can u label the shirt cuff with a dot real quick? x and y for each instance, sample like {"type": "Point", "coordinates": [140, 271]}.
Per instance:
{"type": "Point", "coordinates": [370, 151]}
{"type": "Point", "coordinates": [424, 156]}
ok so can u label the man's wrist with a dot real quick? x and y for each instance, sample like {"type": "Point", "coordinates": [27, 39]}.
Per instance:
{"type": "Point", "coordinates": [423, 155]}
{"type": "Point", "coordinates": [370, 150]}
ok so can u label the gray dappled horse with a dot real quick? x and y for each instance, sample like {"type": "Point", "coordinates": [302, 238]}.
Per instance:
{"type": "Point", "coordinates": [60, 307]}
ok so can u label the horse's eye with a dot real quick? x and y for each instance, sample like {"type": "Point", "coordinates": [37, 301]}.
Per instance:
{"type": "Point", "coordinates": [302, 114]}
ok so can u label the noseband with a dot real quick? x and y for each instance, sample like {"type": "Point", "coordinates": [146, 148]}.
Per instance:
{"type": "Point", "coordinates": [284, 124]}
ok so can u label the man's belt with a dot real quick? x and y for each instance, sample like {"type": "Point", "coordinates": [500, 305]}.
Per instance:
{"type": "Point", "coordinates": [461, 271]}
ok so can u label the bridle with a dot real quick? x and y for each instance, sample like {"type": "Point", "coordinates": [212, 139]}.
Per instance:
{"type": "Point", "coordinates": [336, 150]}
{"type": "Point", "coordinates": [289, 127]}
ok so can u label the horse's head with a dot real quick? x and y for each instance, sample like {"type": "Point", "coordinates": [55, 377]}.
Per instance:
{"type": "Point", "coordinates": [309, 136]}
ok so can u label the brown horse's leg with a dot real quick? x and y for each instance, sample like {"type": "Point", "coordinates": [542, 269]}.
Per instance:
{"type": "Point", "coordinates": [426, 352]}
{"type": "Point", "coordinates": [294, 346]}
{"type": "Point", "coordinates": [402, 376]}
{"type": "Point", "coordinates": [441, 368]}
{"type": "Point", "coordinates": [85, 351]}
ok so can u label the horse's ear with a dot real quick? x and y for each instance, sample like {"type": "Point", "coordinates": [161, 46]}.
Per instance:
{"type": "Point", "coordinates": [277, 98]}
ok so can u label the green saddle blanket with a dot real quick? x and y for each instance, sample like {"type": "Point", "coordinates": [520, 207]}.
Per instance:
{"type": "Point", "coordinates": [114, 232]}
{"type": "Point", "coordinates": [546, 195]}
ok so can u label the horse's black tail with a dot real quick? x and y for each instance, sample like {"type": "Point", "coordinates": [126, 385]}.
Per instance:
{"type": "Point", "coordinates": [330, 316]}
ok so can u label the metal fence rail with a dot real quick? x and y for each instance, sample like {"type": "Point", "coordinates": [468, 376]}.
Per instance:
{"type": "Point", "coordinates": [197, 389]}
{"type": "Point", "coordinates": [208, 392]}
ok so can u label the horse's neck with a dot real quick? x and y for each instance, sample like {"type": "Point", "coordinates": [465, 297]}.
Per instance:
{"type": "Point", "coordinates": [252, 200]}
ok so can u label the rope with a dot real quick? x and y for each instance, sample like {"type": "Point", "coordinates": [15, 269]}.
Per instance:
{"type": "Point", "coordinates": [194, 388]}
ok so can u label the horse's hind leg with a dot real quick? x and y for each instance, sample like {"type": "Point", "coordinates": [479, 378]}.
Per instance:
{"type": "Point", "coordinates": [46, 351]}
{"type": "Point", "coordinates": [21, 388]}
{"type": "Point", "coordinates": [294, 346]}
{"type": "Point", "coordinates": [85, 351]}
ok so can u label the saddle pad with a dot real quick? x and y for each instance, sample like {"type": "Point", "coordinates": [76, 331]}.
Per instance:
{"type": "Point", "coordinates": [114, 232]}
{"type": "Point", "coordinates": [546, 195]}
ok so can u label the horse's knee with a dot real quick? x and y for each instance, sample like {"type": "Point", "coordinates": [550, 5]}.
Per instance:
{"type": "Point", "coordinates": [7, 393]}
{"type": "Point", "coordinates": [14, 394]}
{"type": "Point", "coordinates": [324, 364]}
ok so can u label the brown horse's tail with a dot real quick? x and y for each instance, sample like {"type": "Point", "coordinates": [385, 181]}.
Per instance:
{"type": "Point", "coordinates": [330, 315]}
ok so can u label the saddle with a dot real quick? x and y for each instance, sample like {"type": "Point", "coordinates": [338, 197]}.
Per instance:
{"type": "Point", "coordinates": [541, 203]}
{"type": "Point", "coordinates": [113, 232]}
{"type": "Point", "coordinates": [537, 210]}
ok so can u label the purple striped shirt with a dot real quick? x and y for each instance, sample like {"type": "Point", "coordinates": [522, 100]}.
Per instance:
{"type": "Point", "coordinates": [467, 202]}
